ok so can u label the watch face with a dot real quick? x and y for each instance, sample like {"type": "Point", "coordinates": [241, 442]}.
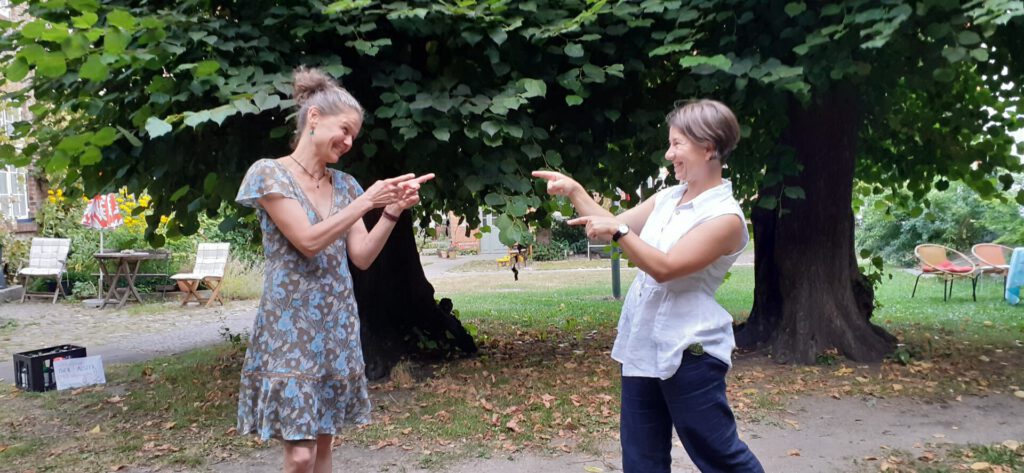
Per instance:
{"type": "Point", "coordinates": [624, 229]}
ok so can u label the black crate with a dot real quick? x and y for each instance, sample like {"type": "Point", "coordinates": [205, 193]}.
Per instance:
{"type": "Point", "coordinates": [33, 370]}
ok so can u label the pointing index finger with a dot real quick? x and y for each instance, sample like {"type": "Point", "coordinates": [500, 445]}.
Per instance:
{"type": "Point", "coordinates": [579, 221]}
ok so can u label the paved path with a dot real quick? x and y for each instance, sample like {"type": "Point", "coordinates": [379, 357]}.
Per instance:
{"type": "Point", "coordinates": [138, 333]}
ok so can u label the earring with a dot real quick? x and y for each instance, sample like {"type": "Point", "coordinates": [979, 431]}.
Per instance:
{"type": "Point", "coordinates": [311, 130]}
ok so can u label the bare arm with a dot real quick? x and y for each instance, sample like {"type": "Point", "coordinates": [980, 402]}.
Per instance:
{"type": "Point", "coordinates": [700, 247]}
{"type": "Point", "coordinates": [291, 219]}
{"type": "Point", "coordinates": [586, 206]}
{"type": "Point", "coordinates": [310, 239]}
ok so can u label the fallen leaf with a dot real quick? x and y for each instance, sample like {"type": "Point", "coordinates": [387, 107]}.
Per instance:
{"type": "Point", "coordinates": [1011, 444]}
{"type": "Point", "coordinates": [980, 466]}
{"type": "Point", "coordinates": [115, 399]}
{"type": "Point", "coordinates": [95, 430]}
{"type": "Point", "coordinates": [793, 453]}
{"type": "Point", "coordinates": [593, 469]}
{"type": "Point", "coordinates": [939, 436]}
{"type": "Point", "coordinates": [1019, 394]}
{"type": "Point", "coordinates": [927, 457]}
{"type": "Point", "coordinates": [118, 467]}
{"type": "Point", "coordinates": [169, 425]}
{"type": "Point", "coordinates": [795, 424]}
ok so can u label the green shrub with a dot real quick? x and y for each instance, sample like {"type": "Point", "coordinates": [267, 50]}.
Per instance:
{"type": "Point", "coordinates": [554, 251]}
{"type": "Point", "coordinates": [956, 217]}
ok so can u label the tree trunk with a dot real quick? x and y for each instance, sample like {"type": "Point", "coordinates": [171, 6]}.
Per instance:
{"type": "Point", "coordinates": [397, 310]}
{"type": "Point", "coordinates": [809, 295]}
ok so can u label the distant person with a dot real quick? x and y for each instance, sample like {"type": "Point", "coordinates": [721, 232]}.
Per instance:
{"type": "Point", "coordinates": [674, 341]}
{"type": "Point", "coordinates": [303, 379]}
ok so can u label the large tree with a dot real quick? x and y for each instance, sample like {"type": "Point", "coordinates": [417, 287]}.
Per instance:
{"type": "Point", "coordinates": [178, 97]}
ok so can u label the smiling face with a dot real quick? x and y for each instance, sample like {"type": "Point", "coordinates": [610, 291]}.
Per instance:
{"type": "Point", "coordinates": [334, 135]}
{"type": "Point", "coordinates": [690, 160]}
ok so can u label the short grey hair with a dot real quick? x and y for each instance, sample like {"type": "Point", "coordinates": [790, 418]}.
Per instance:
{"type": "Point", "coordinates": [707, 122]}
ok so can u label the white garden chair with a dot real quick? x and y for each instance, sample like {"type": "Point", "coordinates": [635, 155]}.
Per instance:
{"type": "Point", "coordinates": [209, 270]}
{"type": "Point", "coordinates": [47, 258]}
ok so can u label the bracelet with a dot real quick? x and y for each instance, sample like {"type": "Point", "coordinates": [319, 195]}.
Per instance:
{"type": "Point", "coordinates": [385, 214]}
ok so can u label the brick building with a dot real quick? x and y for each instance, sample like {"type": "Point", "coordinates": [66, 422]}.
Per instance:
{"type": "Point", "coordinates": [22, 190]}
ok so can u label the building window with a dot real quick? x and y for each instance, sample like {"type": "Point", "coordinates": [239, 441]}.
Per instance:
{"type": "Point", "coordinates": [8, 116]}
{"type": "Point", "coordinates": [13, 193]}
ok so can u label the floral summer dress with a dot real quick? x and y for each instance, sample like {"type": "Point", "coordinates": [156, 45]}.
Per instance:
{"type": "Point", "coordinates": [303, 374]}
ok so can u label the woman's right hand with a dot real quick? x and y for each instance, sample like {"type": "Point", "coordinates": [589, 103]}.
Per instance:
{"type": "Point", "coordinates": [558, 183]}
{"type": "Point", "coordinates": [389, 191]}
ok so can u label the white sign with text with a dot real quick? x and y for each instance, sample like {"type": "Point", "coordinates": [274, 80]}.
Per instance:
{"type": "Point", "coordinates": [77, 372]}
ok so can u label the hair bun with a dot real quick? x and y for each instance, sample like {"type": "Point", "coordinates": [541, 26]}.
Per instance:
{"type": "Point", "coordinates": [309, 81]}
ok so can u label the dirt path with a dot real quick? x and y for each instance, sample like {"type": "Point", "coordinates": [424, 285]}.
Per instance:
{"type": "Point", "coordinates": [814, 434]}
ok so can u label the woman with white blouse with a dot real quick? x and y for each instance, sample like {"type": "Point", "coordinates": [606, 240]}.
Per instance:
{"type": "Point", "coordinates": [674, 341]}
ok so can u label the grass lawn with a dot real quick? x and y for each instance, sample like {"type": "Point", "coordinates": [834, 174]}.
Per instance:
{"type": "Point", "coordinates": [543, 379]}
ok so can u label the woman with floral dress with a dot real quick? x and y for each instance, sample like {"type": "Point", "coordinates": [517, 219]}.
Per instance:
{"type": "Point", "coordinates": [303, 376]}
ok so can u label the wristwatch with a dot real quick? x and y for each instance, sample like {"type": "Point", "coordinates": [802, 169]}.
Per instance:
{"type": "Point", "coordinates": [623, 230]}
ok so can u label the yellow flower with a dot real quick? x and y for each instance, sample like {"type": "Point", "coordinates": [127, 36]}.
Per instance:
{"type": "Point", "coordinates": [85, 199]}
{"type": "Point", "coordinates": [52, 199]}
{"type": "Point", "coordinates": [164, 219]}
{"type": "Point", "coordinates": [60, 192]}
{"type": "Point", "coordinates": [49, 191]}
{"type": "Point", "coordinates": [120, 200]}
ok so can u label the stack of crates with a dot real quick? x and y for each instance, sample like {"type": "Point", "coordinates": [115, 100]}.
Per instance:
{"type": "Point", "coordinates": [33, 370]}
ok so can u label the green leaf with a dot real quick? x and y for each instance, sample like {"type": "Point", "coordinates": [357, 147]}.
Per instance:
{"type": "Point", "coordinates": [442, 134]}
{"type": "Point", "coordinates": [943, 74]}
{"type": "Point", "coordinates": [336, 70]}
{"type": "Point", "coordinates": [219, 114]}
{"type": "Point", "coordinates": [85, 20]}
{"type": "Point", "coordinates": [474, 183]}
{"type": "Point", "coordinates": [717, 61]}
{"type": "Point", "coordinates": [33, 29]}
{"type": "Point", "coordinates": [794, 192]}
{"type": "Point", "coordinates": [129, 136]}
{"type": "Point", "coordinates": [206, 68]}
{"type": "Point", "coordinates": [193, 119]}
{"type": "Point", "coordinates": [979, 54]}
{"type": "Point", "coordinates": [52, 65]}
{"type": "Point", "coordinates": [968, 38]}
{"type": "Point", "coordinates": [535, 88]}
{"type": "Point", "coordinates": [210, 183]}
{"type": "Point", "coordinates": [573, 50]}
{"type": "Point", "coordinates": [7, 153]}
{"type": "Point", "coordinates": [115, 42]}
{"type": "Point", "coordinates": [121, 19]}
{"type": "Point", "coordinates": [245, 106]}
{"type": "Point", "coordinates": [573, 100]}
{"type": "Point", "coordinates": [490, 127]}
{"type": "Point", "coordinates": [494, 199]}
{"type": "Point", "coordinates": [265, 102]}
{"type": "Point", "coordinates": [16, 70]}
{"type": "Point", "coordinates": [156, 127]}
{"type": "Point", "coordinates": [768, 202]}
{"type": "Point", "coordinates": [93, 69]}
{"type": "Point", "coordinates": [85, 6]}
{"type": "Point", "coordinates": [178, 194]}
{"type": "Point", "coordinates": [104, 137]}
{"type": "Point", "coordinates": [90, 155]}
{"type": "Point", "coordinates": [795, 8]}
{"type": "Point", "coordinates": [498, 35]}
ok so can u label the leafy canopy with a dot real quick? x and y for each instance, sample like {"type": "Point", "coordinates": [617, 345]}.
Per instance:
{"type": "Point", "coordinates": [179, 97]}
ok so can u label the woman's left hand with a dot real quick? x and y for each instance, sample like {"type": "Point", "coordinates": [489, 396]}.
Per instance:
{"type": "Point", "coordinates": [598, 228]}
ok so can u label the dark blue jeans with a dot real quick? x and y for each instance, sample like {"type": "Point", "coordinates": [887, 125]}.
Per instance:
{"type": "Point", "coordinates": [693, 400]}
